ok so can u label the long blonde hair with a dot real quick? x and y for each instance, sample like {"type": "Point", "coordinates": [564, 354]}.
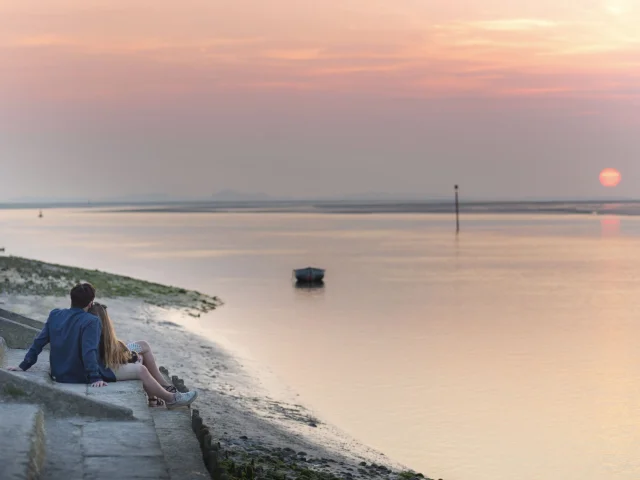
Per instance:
{"type": "Point", "coordinates": [112, 351]}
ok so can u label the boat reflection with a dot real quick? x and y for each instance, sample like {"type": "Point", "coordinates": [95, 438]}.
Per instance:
{"type": "Point", "coordinates": [309, 287]}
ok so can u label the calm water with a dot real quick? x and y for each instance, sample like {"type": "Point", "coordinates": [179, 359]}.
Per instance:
{"type": "Point", "coordinates": [509, 353]}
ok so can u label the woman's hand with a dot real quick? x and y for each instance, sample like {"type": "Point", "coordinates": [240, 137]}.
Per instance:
{"type": "Point", "coordinates": [99, 383]}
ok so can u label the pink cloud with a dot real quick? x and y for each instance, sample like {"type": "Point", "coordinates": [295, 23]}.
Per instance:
{"type": "Point", "coordinates": [121, 51]}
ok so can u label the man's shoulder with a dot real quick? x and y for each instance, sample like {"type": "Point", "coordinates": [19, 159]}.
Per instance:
{"type": "Point", "coordinates": [65, 313]}
{"type": "Point", "coordinates": [58, 313]}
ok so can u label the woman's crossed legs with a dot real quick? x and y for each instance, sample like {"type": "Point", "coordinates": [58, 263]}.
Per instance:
{"type": "Point", "coordinates": [148, 360]}
{"type": "Point", "coordinates": [137, 371]}
{"type": "Point", "coordinates": [156, 385]}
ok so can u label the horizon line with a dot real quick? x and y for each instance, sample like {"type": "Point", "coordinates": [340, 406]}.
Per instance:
{"type": "Point", "coordinates": [434, 201]}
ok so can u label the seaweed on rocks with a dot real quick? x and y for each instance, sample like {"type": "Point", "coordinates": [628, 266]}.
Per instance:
{"type": "Point", "coordinates": [273, 464]}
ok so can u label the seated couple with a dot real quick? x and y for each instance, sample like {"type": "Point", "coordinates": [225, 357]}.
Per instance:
{"type": "Point", "coordinates": [85, 349]}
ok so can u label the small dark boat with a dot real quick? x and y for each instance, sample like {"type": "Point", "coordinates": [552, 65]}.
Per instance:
{"type": "Point", "coordinates": [309, 275]}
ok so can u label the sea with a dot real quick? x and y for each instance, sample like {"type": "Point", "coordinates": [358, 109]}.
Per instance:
{"type": "Point", "coordinates": [508, 351]}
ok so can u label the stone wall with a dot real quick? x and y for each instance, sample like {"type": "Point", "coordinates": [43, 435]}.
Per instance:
{"type": "Point", "coordinates": [17, 335]}
{"type": "Point", "coordinates": [211, 452]}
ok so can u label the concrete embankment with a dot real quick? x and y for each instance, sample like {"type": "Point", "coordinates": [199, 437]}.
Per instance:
{"type": "Point", "coordinates": [60, 431]}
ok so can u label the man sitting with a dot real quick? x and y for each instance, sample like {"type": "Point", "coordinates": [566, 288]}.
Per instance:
{"type": "Point", "coordinates": [75, 336]}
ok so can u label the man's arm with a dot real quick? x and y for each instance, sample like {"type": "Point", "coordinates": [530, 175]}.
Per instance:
{"type": "Point", "coordinates": [39, 343]}
{"type": "Point", "coordinates": [90, 343]}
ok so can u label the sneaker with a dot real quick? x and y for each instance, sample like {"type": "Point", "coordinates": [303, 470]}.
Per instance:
{"type": "Point", "coordinates": [183, 399]}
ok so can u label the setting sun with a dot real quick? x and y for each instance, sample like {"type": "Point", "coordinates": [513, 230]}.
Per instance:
{"type": "Point", "coordinates": [610, 177]}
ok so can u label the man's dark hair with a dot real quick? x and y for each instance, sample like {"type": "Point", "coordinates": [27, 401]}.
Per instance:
{"type": "Point", "coordinates": [82, 295]}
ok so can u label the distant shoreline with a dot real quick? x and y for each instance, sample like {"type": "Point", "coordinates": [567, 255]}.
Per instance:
{"type": "Point", "coordinates": [531, 208]}
{"type": "Point", "coordinates": [580, 207]}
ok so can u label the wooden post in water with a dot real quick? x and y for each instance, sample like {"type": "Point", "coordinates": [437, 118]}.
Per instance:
{"type": "Point", "coordinates": [457, 211]}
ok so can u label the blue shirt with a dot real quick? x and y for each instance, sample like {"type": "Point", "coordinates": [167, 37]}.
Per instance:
{"type": "Point", "coordinates": [74, 336]}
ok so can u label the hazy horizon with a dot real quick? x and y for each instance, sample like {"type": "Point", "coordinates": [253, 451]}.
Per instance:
{"type": "Point", "coordinates": [240, 197]}
{"type": "Point", "coordinates": [108, 99]}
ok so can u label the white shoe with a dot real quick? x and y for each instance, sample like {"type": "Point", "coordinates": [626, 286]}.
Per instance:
{"type": "Point", "coordinates": [183, 399]}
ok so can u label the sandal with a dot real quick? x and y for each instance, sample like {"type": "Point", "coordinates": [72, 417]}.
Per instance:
{"type": "Point", "coordinates": [155, 402]}
{"type": "Point", "coordinates": [170, 389]}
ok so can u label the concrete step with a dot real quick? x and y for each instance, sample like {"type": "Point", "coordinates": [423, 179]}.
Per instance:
{"type": "Point", "coordinates": [179, 445]}
{"type": "Point", "coordinates": [108, 448]}
{"type": "Point", "coordinates": [22, 441]}
{"type": "Point", "coordinates": [3, 349]}
{"type": "Point", "coordinates": [80, 448]}
{"type": "Point", "coordinates": [62, 398]}
{"type": "Point", "coordinates": [16, 334]}
{"type": "Point", "coordinates": [16, 317]}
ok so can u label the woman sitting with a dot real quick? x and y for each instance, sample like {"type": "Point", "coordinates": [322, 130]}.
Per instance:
{"type": "Point", "coordinates": [136, 362]}
{"type": "Point", "coordinates": [141, 352]}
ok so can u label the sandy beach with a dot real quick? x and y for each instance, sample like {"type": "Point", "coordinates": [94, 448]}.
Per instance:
{"type": "Point", "coordinates": [252, 415]}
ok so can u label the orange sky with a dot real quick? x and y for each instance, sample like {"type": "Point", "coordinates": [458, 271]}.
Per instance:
{"type": "Point", "coordinates": [93, 49]}
{"type": "Point", "coordinates": [290, 97]}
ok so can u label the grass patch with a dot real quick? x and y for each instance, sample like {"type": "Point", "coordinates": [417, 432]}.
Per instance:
{"type": "Point", "coordinates": [22, 276]}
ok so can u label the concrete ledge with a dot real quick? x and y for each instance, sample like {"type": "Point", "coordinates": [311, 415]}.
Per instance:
{"type": "Point", "coordinates": [16, 334]}
{"type": "Point", "coordinates": [59, 399]}
{"type": "Point", "coordinates": [22, 442]}
{"type": "Point", "coordinates": [181, 449]}
{"type": "Point", "coordinates": [16, 317]}
{"type": "Point", "coordinates": [129, 395]}
{"type": "Point", "coordinates": [3, 349]}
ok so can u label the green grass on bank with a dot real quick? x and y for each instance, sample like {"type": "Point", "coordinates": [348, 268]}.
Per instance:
{"type": "Point", "coordinates": [22, 276]}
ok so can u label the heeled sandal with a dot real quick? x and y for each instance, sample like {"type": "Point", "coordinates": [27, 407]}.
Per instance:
{"type": "Point", "coordinates": [155, 402]}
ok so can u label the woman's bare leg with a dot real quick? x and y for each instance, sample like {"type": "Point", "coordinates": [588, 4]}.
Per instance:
{"type": "Point", "coordinates": [153, 400]}
{"type": "Point", "coordinates": [149, 361]}
{"type": "Point", "coordinates": [137, 371]}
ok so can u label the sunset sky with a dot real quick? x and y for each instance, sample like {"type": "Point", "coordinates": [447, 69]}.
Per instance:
{"type": "Point", "coordinates": [297, 98]}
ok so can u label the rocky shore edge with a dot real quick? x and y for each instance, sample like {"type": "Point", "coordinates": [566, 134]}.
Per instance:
{"type": "Point", "coordinates": [272, 463]}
